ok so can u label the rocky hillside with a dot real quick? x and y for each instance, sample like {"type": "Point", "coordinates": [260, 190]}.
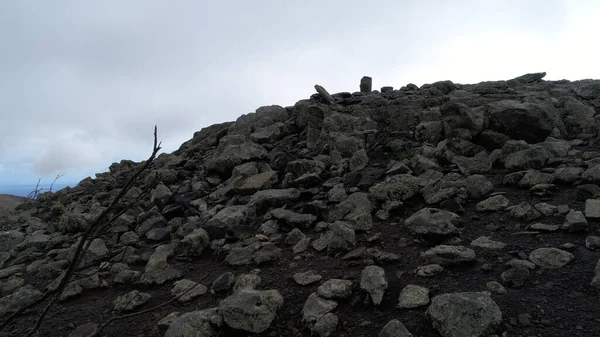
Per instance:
{"type": "Point", "coordinates": [446, 210]}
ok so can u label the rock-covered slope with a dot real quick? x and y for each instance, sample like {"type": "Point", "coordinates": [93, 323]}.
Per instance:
{"type": "Point", "coordinates": [446, 210]}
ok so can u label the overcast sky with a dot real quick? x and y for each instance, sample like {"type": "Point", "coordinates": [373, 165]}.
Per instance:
{"type": "Point", "coordinates": [83, 82]}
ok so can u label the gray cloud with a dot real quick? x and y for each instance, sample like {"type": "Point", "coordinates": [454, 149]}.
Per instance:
{"type": "Point", "coordinates": [84, 84]}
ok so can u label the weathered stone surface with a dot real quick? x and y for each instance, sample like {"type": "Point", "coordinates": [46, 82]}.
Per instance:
{"type": "Point", "coordinates": [335, 289]}
{"type": "Point", "coordinates": [251, 311]}
{"type": "Point", "coordinates": [316, 307]}
{"type": "Point", "coordinates": [433, 225]}
{"type": "Point", "coordinates": [130, 301]}
{"type": "Point", "coordinates": [394, 328]}
{"type": "Point", "coordinates": [550, 258]}
{"type": "Point", "coordinates": [448, 255]}
{"type": "Point", "coordinates": [464, 314]}
{"type": "Point", "coordinates": [374, 282]}
{"type": "Point", "coordinates": [201, 323]}
{"type": "Point", "coordinates": [413, 296]}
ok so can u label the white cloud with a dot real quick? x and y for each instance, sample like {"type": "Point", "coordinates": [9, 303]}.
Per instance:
{"type": "Point", "coordinates": [1, 168]}
{"type": "Point", "coordinates": [85, 83]}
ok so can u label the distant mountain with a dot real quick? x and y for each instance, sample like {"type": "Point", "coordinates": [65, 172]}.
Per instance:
{"type": "Point", "coordinates": [9, 202]}
{"type": "Point", "coordinates": [24, 190]}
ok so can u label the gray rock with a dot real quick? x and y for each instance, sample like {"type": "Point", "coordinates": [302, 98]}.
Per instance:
{"type": "Point", "coordinates": [10, 239]}
{"type": "Point", "coordinates": [301, 246]}
{"type": "Point", "coordinates": [525, 212]}
{"type": "Point", "coordinates": [251, 311]}
{"type": "Point", "coordinates": [480, 163]}
{"type": "Point", "coordinates": [316, 307]}
{"type": "Point", "coordinates": [233, 155]}
{"type": "Point", "coordinates": [129, 239]}
{"type": "Point", "coordinates": [260, 181]}
{"type": "Point", "coordinates": [161, 254]}
{"type": "Point", "coordinates": [478, 186]}
{"type": "Point", "coordinates": [532, 122]}
{"type": "Point", "coordinates": [335, 289]}
{"type": "Point", "coordinates": [246, 282]}
{"type": "Point", "coordinates": [518, 263]}
{"type": "Point", "coordinates": [567, 175]}
{"type": "Point", "coordinates": [429, 270]}
{"type": "Point", "coordinates": [441, 190]}
{"type": "Point", "coordinates": [301, 167]}
{"type": "Point", "coordinates": [515, 277]}
{"type": "Point", "coordinates": [160, 195]}
{"type": "Point", "coordinates": [472, 314]}
{"type": "Point", "coordinates": [326, 325]}
{"type": "Point", "coordinates": [262, 200]}
{"type": "Point", "coordinates": [433, 225]}
{"type": "Point", "coordinates": [293, 219]}
{"type": "Point", "coordinates": [493, 204]}
{"type": "Point", "coordinates": [419, 164]}
{"type": "Point", "coordinates": [337, 193]}
{"type": "Point", "coordinates": [532, 158]}
{"type": "Point", "coordinates": [394, 328]}
{"type": "Point", "coordinates": [359, 160]}
{"type": "Point", "coordinates": [396, 188]}
{"type": "Point", "coordinates": [71, 290]}
{"type": "Point", "coordinates": [356, 210]}
{"type": "Point", "coordinates": [592, 208]}
{"type": "Point", "coordinates": [544, 227]}
{"type": "Point", "coordinates": [373, 281]}
{"type": "Point", "coordinates": [496, 287]}
{"type": "Point", "coordinates": [307, 277]}
{"type": "Point", "coordinates": [545, 209]}
{"type": "Point", "coordinates": [550, 258]}
{"type": "Point", "coordinates": [413, 296]}
{"type": "Point", "coordinates": [533, 178]}
{"type": "Point", "coordinates": [201, 323]}
{"type": "Point", "coordinates": [223, 282]}
{"type": "Point", "coordinates": [592, 174]}
{"type": "Point", "coordinates": [194, 243]}
{"type": "Point", "coordinates": [294, 236]}
{"type": "Point", "coordinates": [190, 288]}
{"type": "Point", "coordinates": [592, 242]}
{"type": "Point", "coordinates": [127, 276]}
{"type": "Point", "coordinates": [159, 273]}
{"type": "Point", "coordinates": [130, 301]}
{"type": "Point", "coordinates": [269, 134]}
{"type": "Point", "coordinates": [10, 285]}
{"type": "Point", "coordinates": [242, 254]}
{"type": "Point", "coordinates": [229, 218]}
{"type": "Point", "coordinates": [159, 234]}
{"type": "Point", "coordinates": [339, 237]}
{"type": "Point", "coordinates": [23, 297]}
{"type": "Point", "coordinates": [449, 255]}
{"type": "Point", "coordinates": [487, 243]}
{"type": "Point", "coordinates": [595, 281]}
{"type": "Point", "coordinates": [575, 221]}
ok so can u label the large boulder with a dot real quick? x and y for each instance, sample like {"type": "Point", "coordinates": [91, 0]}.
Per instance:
{"type": "Point", "coordinates": [472, 314]}
{"type": "Point", "coordinates": [527, 121]}
{"type": "Point", "coordinates": [233, 155]}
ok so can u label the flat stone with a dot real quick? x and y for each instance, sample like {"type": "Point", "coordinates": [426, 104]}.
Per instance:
{"type": "Point", "coordinates": [307, 277]}
{"type": "Point", "coordinates": [413, 296]}
{"type": "Point", "coordinates": [592, 208]}
{"type": "Point", "coordinates": [487, 243]}
{"type": "Point", "coordinates": [550, 258]}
